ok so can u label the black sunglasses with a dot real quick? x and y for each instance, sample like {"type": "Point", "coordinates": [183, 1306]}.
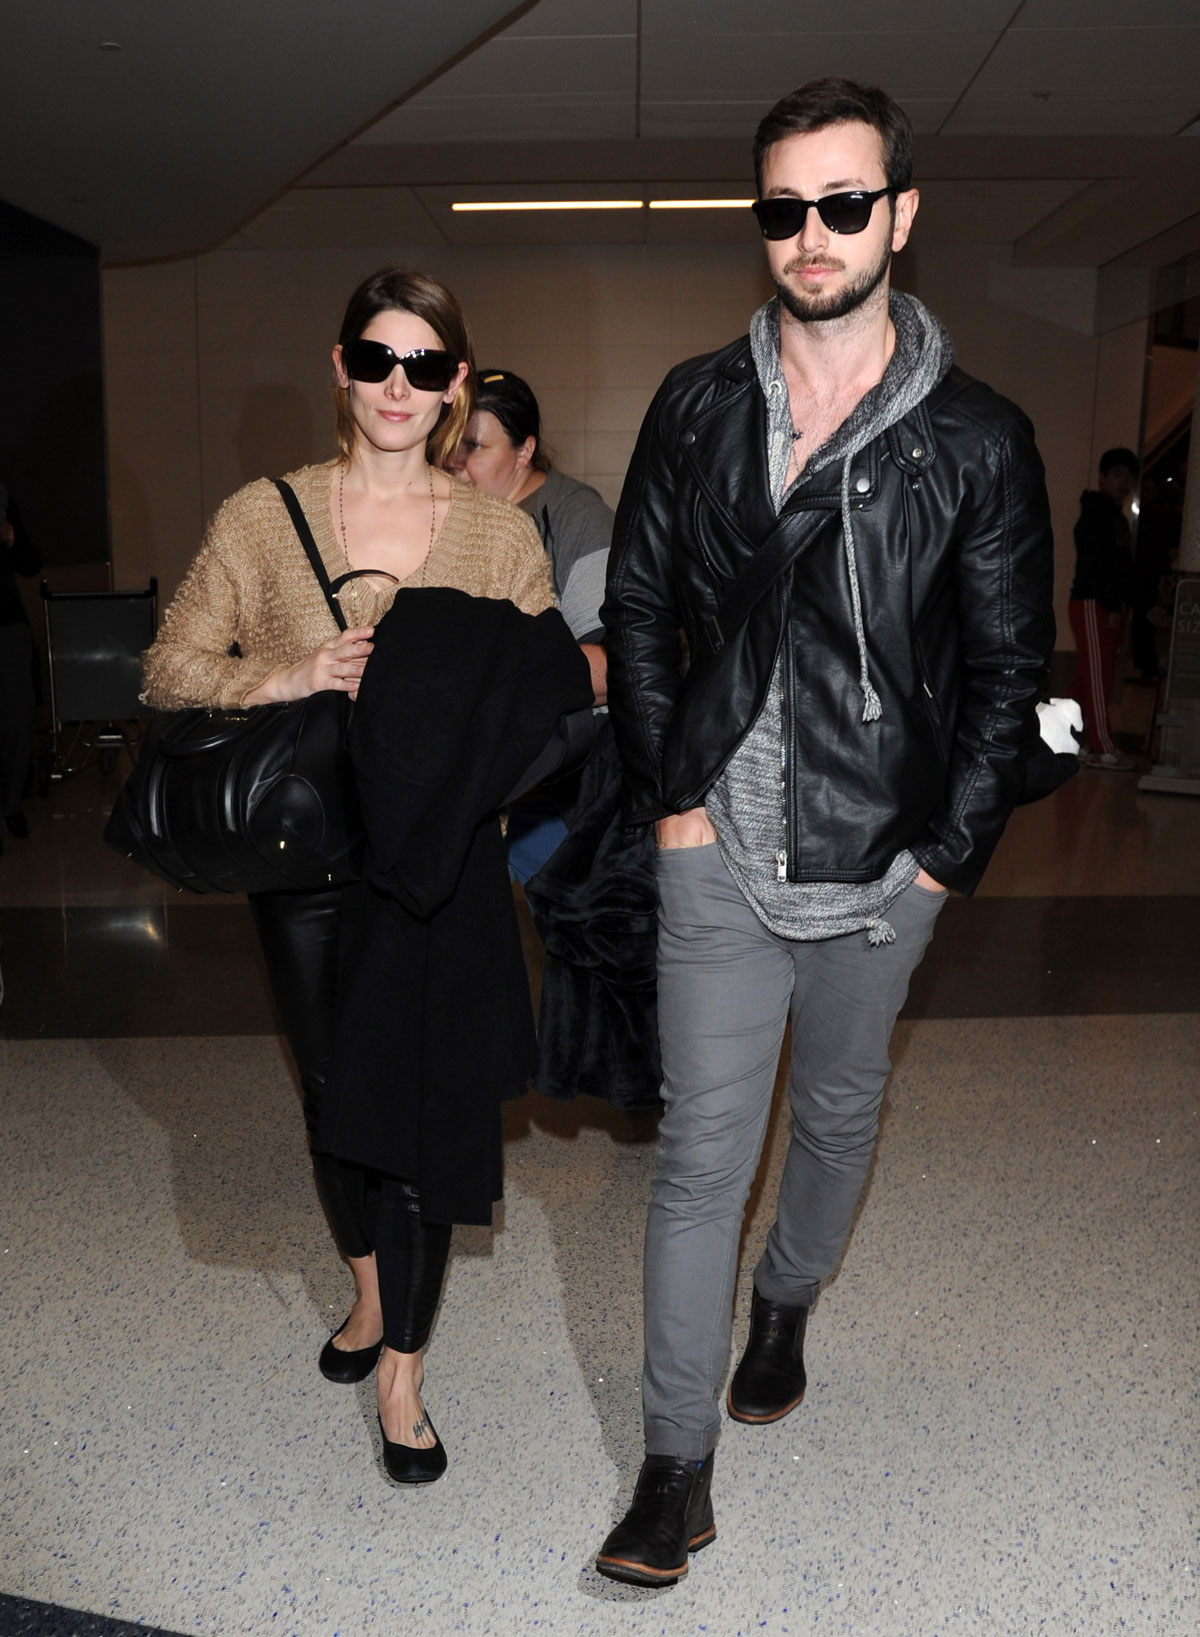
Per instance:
{"type": "Point", "coordinates": [428, 368]}
{"type": "Point", "coordinates": [782, 217]}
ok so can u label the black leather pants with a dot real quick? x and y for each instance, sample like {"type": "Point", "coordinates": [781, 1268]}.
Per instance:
{"type": "Point", "coordinates": [367, 1211]}
{"type": "Point", "coordinates": [410, 1258]}
{"type": "Point", "coordinates": [298, 932]}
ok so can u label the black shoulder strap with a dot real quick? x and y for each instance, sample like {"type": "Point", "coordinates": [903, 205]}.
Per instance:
{"type": "Point", "coordinates": [770, 562]}
{"type": "Point", "coordinates": [288, 496]}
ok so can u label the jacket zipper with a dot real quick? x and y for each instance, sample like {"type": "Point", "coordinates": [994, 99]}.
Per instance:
{"type": "Point", "coordinates": [932, 709]}
{"type": "Point", "coordinates": [786, 804]}
{"type": "Point", "coordinates": [781, 857]}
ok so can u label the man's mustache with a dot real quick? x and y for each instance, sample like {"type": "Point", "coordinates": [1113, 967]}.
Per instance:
{"type": "Point", "coordinates": [798, 264]}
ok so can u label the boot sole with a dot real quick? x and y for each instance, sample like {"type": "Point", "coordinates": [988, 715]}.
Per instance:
{"type": "Point", "coordinates": [641, 1574]}
{"type": "Point", "coordinates": [759, 1420]}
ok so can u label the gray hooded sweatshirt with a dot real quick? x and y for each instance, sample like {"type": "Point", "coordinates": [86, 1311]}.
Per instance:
{"type": "Point", "coordinates": [746, 804]}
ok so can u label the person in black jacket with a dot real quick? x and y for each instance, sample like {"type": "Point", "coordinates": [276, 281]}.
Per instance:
{"type": "Point", "coordinates": [18, 555]}
{"type": "Point", "coordinates": [250, 626]}
{"type": "Point", "coordinates": [1102, 588]}
{"type": "Point", "coordinates": [854, 537]}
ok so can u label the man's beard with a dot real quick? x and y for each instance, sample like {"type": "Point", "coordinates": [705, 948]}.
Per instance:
{"type": "Point", "coordinates": [820, 306]}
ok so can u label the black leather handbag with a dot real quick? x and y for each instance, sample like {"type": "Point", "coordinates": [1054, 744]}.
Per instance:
{"type": "Point", "coordinates": [254, 800]}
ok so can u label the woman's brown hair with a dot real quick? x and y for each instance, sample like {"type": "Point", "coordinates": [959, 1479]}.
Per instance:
{"type": "Point", "coordinates": [404, 290]}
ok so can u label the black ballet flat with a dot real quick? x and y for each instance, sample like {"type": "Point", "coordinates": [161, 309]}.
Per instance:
{"type": "Point", "coordinates": [344, 1367]}
{"type": "Point", "coordinates": [404, 1465]}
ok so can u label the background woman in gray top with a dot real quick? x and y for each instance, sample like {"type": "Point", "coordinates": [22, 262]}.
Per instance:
{"type": "Point", "coordinates": [502, 453]}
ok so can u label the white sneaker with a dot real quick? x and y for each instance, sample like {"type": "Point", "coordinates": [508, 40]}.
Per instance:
{"type": "Point", "coordinates": [1110, 760]}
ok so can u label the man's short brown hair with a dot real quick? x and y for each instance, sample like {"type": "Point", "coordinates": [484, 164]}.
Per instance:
{"type": "Point", "coordinates": [840, 102]}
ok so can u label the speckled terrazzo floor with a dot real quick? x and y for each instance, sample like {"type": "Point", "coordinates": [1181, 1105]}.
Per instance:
{"type": "Point", "coordinates": [1000, 1435]}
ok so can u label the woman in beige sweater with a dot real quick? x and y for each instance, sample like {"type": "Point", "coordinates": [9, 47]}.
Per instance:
{"type": "Point", "coordinates": [250, 625]}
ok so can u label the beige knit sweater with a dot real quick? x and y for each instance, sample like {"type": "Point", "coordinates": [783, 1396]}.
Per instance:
{"type": "Point", "coordinates": [252, 590]}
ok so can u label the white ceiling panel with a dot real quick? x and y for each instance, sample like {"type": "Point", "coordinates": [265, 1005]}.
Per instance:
{"type": "Point", "coordinates": [737, 120]}
{"type": "Point", "coordinates": [927, 117]}
{"type": "Point", "coordinates": [1086, 14]}
{"type": "Point", "coordinates": [548, 117]}
{"type": "Point", "coordinates": [1093, 62]}
{"type": "Point", "coordinates": [324, 218]}
{"type": "Point", "coordinates": [1069, 116]}
{"type": "Point", "coordinates": [570, 163]}
{"type": "Point", "coordinates": [768, 65]}
{"type": "Point", "coordinates": [576, 17]}
{"type": "Point", "coordinates": [527, 88]}
{"type": "Point", "coordinates": [526, 66]}
{"type": "Point", "coordinates": [802, 16]}
{"type": "Point", "coordinates": [693, 121]}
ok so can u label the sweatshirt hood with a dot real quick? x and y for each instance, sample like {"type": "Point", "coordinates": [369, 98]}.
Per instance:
{"type": "Point", "coordinates": [922, 357]}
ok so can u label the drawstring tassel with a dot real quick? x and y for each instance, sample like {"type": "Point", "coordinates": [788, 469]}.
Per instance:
{"type": "Point", "coordinates": [880, 932]}
{"type": "Point", "coordinates": [872, 708]}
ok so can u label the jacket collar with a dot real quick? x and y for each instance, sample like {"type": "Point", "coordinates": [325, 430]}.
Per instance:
{"type": "Point", "coordinates": [733, 418]}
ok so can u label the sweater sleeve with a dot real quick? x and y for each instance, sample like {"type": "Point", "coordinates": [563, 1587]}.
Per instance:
{"type": "Point", "coordinates": [529, 583]}
{"type": "Point", "coordinates": [196, 658]}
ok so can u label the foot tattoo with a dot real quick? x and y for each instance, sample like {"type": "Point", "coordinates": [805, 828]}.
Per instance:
{"type": "Point", "coordinates": [421, 1427]}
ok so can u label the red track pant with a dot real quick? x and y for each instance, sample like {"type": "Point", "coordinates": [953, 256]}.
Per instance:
{"type": "Point", "coordinates": [1097, 641]}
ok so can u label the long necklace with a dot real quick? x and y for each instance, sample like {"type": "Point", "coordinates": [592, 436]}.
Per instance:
{"type": "Point", "coordinates": [432, 520]}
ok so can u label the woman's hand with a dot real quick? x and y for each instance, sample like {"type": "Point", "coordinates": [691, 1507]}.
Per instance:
{"type": "Point", "coordinates": [337, 664]}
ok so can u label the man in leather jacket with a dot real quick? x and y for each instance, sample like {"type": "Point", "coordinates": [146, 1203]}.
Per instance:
{"type": "Point", "coordinates": [853, 537]}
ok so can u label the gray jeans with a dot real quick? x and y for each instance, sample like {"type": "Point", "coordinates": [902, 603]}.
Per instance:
{"type": "Point", "coordinates": [726, 985]}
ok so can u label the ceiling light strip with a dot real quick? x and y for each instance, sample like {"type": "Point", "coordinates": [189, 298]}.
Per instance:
{"type": "Point", "coordinates": [600, 204]}
{"type": "Point", "coordinates": [548, 204]}
{"type": "Point", "coordinates": [701, 204]}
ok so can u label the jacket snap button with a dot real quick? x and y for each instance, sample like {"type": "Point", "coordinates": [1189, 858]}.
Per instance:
{"type": "Point", "coordinates": [689, 437]}
{"type": "Point", "coordinates": [917, 452]}
{"type": "Point", "coordinates": [862, 485]}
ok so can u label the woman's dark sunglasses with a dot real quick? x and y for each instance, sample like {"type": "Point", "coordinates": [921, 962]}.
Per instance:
{"type": "Point", "coordinates": [782, 217]}
{"type": "Point", "coordinates": [428, 369]}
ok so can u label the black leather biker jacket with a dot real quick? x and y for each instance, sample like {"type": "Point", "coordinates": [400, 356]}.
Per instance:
{"type": "Point", "coordinates": [955, 561]}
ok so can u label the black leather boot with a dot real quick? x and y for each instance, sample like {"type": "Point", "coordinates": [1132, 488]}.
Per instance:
{"type": "Point", "coordinates": [770, 1379]}
{"type": "Point", "coordinates": [671, 1515]}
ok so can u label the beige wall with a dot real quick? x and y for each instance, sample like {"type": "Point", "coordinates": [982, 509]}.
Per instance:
{"type": "Point", "coordinates": [153, 421]}
{"type": "Point", "coordinates": [218, 367]}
